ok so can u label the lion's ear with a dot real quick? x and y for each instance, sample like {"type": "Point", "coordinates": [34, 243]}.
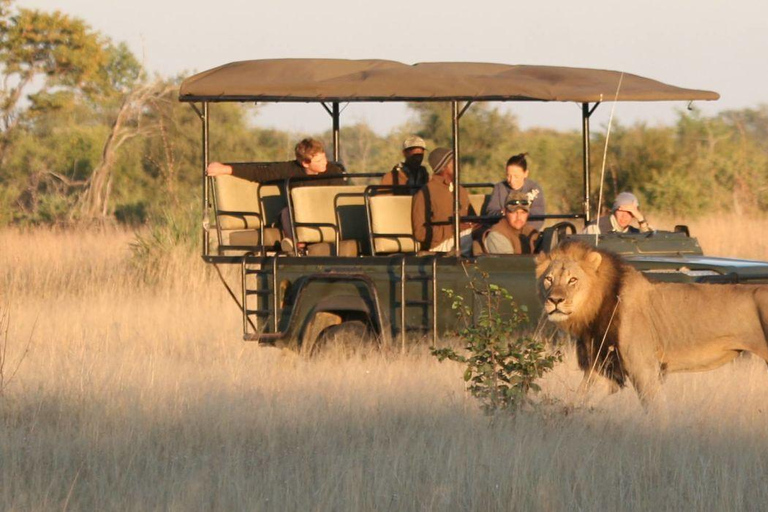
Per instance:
{"type": "Point", "coordinates": [594, 259]}
{"type": "Point", "coordinates": [542, 262]}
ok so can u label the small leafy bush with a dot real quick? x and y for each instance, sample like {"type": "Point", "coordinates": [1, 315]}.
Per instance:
{"type": "Point", "coordinates": [171, 235]}
{"type": "Point", "coordinates": [502, 364]}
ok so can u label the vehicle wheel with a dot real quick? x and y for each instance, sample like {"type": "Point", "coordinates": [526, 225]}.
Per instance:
{"type": "Point", "coordinates": [347, 338]}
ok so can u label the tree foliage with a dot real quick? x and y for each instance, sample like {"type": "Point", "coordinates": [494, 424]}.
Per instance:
{"type": "Point", "coordinates": [86, 134]}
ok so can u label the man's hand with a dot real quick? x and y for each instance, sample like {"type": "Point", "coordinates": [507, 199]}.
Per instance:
{"type": "Point", "coordinates": [218, 169]}
{"type": "Point", "coordinates": [635, 211]}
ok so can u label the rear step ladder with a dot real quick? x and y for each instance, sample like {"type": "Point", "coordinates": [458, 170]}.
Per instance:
{"type": "Point", "coordinates": [265, 292]}
{"type": "Point", "coordinates": [426, 301]}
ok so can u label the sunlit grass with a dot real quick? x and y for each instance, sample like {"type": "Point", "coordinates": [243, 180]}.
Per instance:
{"type": "Point", "coordinates": [137, 396]}
{"type": "Point", "coordinates": [728, 235]}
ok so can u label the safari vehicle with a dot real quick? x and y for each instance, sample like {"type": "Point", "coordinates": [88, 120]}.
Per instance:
{"type": "Point", "coordinates": [367, 274]}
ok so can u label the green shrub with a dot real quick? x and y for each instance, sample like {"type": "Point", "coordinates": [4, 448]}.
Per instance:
{"type": "Point", "coordinates": [167, 236]}
{"type": "Point", "coordinates": [502, 363]}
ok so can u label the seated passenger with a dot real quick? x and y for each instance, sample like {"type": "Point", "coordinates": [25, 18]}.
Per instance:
{"type": "Point", "coordinates": [625, 209]}
{"type": "Point", "coordinates": [512, 234]}
{"type": "Point", "coordinates": [310, 161]}
{"type": "Point", "coordinates": [409, 171]}
{"type": "Point", "coordinates": [517, 180]}
{"type": "Point", "coordinates": [433, 207]}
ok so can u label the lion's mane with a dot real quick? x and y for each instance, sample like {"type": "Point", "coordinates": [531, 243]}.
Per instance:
{"type": "Point", "coordinates": [630, 328]}
{"type": "Point", "coordinates": [596, 324]}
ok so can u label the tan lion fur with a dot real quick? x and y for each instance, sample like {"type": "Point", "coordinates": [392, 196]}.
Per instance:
{"type": "Point", "coordinates": [630, 327]}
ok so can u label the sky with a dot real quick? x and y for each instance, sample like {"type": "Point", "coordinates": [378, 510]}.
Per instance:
{"type": "Point", "coordinates": [701, 44]}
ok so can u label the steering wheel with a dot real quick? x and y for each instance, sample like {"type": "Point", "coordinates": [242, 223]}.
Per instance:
{"type": "Point", "coordinates": [552, 235]}
{"type": "Point", "coordinates": [563, 229]}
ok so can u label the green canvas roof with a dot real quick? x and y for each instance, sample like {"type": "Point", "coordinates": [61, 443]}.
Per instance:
{"type": "Point", "coordinates": [303, 80]}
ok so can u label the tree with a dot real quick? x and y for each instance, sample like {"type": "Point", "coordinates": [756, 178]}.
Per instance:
{"type": "Point", "coordinates": [49, 49]}
{"type": "Point", "coordinates": [129, 122]}
{"type": "Point", "coordinates": [488, 136]}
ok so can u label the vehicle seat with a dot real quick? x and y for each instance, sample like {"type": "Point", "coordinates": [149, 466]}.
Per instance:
{"type": "Point", "coordinates": [335, 213]}
{"type": "Point", "coordinates": [240, 213]}
{"type": "Point", "coordinates": [479, 202]}
{"type": "Point", "coordinates": [477, 248]}
{"type": "Point", "coordinates": [391, 227]}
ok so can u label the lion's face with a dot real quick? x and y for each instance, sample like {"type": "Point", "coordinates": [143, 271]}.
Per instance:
{"type": "Point", "coordinates": [565, 284]}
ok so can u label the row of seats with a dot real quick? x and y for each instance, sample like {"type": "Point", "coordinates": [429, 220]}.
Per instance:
{"type": "Point", "coordinates": [335, 219]}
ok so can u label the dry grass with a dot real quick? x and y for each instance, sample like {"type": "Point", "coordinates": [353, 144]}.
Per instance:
{"type": "Point", "coordinates": [135, 397]}
{"type": "Point", "coordinates": [728, 235]}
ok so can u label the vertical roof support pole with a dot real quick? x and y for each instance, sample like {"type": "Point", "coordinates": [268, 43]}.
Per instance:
{"type": "Point", "coordinates": [335, 114]}
{"type": "Point", "coordinates": [585, 113]}
{"type": "Point", "coordinates": [456, 177]}
{"type": "Point", "coordinates": [206, 190]}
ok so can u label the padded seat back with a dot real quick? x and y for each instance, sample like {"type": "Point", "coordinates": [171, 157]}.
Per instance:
{"type": "Point", "coordinates": [391, 215]}
{"type": "Point", "coordinates": [272, 203]}
{"type": "Point", "coordinates": [479, 201]}
{"type": "Point", "coordinates": [239, 213]}
{"type": "Point", "coordinates": [237, 202]}
{"type": "Point", "coordinates": [319, 205]}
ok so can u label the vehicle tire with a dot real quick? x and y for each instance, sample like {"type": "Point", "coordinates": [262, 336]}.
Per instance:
{"type": "Point", "coordinates": [347, 338]}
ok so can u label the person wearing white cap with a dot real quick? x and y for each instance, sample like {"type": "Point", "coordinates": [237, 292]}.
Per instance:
{"type": "Point", "coordinates": [626, 209]}
{"type": "Point", "coordinates": [409, 171]}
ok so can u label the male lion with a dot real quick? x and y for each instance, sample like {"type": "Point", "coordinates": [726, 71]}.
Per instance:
{"type": "Point", "coordinates": [629, 327]}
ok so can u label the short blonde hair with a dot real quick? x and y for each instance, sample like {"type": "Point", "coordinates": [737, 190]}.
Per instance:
{"type": "Point", "coordinates": [307, 148]}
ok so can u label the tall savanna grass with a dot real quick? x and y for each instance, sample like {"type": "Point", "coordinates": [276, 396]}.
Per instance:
{"type": "Point", "coordinates": [139, 395]}
{"type": "Point", "coordinates": [728, 235]}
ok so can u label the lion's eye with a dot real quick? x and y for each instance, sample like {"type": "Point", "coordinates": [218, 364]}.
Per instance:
{"type": "Point", "coordinates": [548, 280]}
{"type": "Point", "coordinates": [572, 280]}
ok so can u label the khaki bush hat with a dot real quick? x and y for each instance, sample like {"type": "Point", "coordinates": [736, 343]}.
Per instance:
{"type": "Point", "coordinates": [517, 200]}
{"type": "Point", "coordinates": [414, 141]}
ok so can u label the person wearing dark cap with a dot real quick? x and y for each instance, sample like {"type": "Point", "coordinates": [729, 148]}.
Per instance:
{"type": "Point", "coordinates": [409, 171]}
{"type": "Point", "coordinates": [626, 209]}
{"type": "Point", "coordinates": [433, 207]}
{"type": "Point", "coordinates": [512, 234]}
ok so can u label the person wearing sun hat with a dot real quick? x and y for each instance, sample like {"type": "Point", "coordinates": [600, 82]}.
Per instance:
{"type": "Point", "coordinates": [512, 234]}
{"type": "Point", "coordinates": [409, 171]}
{"type": "Point", "coordinates": [433, 207]}
{"type": "Point", "coordinates": [625, 210]}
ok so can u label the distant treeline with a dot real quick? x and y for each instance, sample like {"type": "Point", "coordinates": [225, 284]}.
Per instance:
{"type": "Point", "coordinates": [86, 134]}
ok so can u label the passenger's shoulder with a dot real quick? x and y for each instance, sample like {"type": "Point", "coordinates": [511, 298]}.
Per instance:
{"type": "Point", "coordinates": [592, 229]}
{"type": "Point", "coordinates": [530, 185]}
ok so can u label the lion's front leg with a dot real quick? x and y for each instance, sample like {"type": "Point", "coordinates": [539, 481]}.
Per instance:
{"type": "Point", "coordinates": [638, 347]}
{"type": "Point", "coordinates": [591, 379]}
{"type": "Point", "coordinates": [646, 379]}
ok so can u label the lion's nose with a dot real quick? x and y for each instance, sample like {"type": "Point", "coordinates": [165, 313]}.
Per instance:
{"type": "Point", "coordinates": [555, 300]}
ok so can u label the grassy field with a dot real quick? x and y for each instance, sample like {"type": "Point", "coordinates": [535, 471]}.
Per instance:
{"type": "Point", "coordinates": [120, 393]}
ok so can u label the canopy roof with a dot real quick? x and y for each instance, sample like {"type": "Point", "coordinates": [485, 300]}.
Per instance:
{"type": "Point", "coordinates": [303, 80]}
